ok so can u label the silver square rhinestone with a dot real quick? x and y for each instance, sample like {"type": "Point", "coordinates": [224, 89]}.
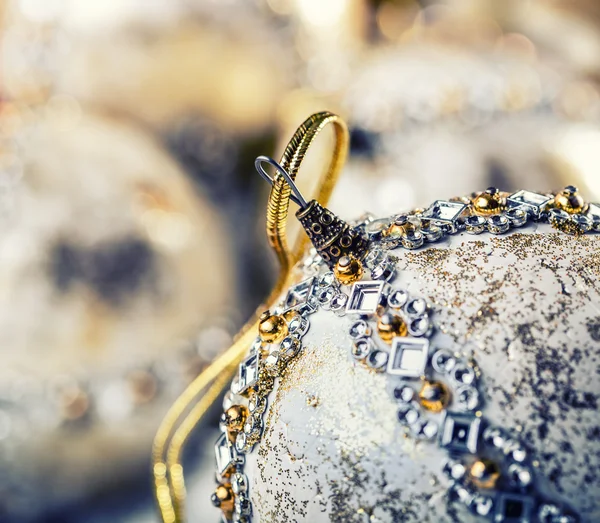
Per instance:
{"type": "Point", "coordinates": [460, 432]}
{"type": "Point", "coordinates": [444, 211]}
{"type": "Point", "coordinates": [514, 508]}
{"type": "Point", "coordinates": [533, 202]}
{"type": "Point", "coordinates": [408, 357]}
{"type": "Point", "coordinates": [365, 297]}
{"type": "Point", "coordinates": [300, 297]}
{"type": "Point", "coordinates": [247, 374]}
{"type": "Point", "coordinates": [226, 455]}
{"type": "Point", "coordinates": [594, 210]}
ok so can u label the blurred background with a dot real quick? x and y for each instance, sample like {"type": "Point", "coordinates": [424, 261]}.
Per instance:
{"type": "Point", "coordinates": [132, 241]}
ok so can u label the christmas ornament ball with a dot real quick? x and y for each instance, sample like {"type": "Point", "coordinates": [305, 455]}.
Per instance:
{"type": "Point", "coordinates": [484, 408]}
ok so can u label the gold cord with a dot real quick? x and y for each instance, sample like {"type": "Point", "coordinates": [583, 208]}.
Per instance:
{"type": "Point", "coordinates": [191, 406]}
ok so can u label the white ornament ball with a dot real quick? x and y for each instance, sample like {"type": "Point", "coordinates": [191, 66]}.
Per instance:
{"type": "Point", "coordinates": [515, 342]}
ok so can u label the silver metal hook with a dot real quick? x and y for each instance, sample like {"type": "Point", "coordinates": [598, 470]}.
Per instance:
{"type": "Point", "coordinates": [296, 195]}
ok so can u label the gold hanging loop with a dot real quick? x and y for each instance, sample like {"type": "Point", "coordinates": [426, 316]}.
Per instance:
{"type": "Point", "coordinates": [191, 406]}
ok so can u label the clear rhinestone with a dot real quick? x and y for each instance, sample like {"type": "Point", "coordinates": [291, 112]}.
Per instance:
{"type": "Point", "coordinates": [495, 436]}
{"type": "Point", "coordinates": [548, 512]}
{"type": "Point", "coordinates": [596, 223]}
{"type": "Point", "coordinates": [458, 492]}
{"type": "Point", "coordinates": [419, 326]}
{"type": "Point", "coordinates": [517, 216]}
{"type": "Point", "coordinates": [257, 404]}
{"type": "Point", "coordinates": [298, 326]}
{"type": "Point", "coordinates": [240, 442]}
{"type": "Point", "coordinates": [365, 297]}
{"type": "Point", "coordinates": [475, 224]}
{"type": "Point", "coordinates": [559, 216]}
{"type": "Point", "coordinates": [359, 329]}
{"type": "Point", "coordinates": [374, 257]}
{"type": "Point", "coordinates": [242, 505]}
{"type": "Point", "coordinates": [325, 295]}
{"type": "Point", "coordinates": [498, 224]}
{"type": "Point", "coordinates": [404, 393]}
{"type": "Point", "coordinates": [514, 450]}
{"type": "Point", "coordinates": [374, 229]}
{"type": "Point", "coordinates": [467, 397]}
{"type": "Point", "coordinates": [338, 303]}
{"type": "Point", "coordinates": [432, 233]}
{"type": "Point", "coordinates": [416, 307]}
{"type": "Point", "coordinates": [443, 361]}
{"type": "Point", "coordinates": [412, 240]}
{"type": "Point", "coordinates": [397, 299]}
{"type": "Point", "coordinates": [391, 240]}
{"type": "Point", "coordinates": [482, 505]}
{"type": "Point", "coordinates": [584, 223]}
{"type": "Point", "coordinates": [377, 359]}
{"type": "Point", "coordinates": [408, 414]}
{"type": "Point", "coordinates": [463, 374]}
{"type": "Point", "coordinates": [444, 212]}
{"type": "Point", "coordinates": [519, 475]}
{"type": "Point", "coordinates": [361, 348]}
{"type": "Point", "coordinates": [272, 362]}
{"type": "Point", "coordinates": [454, 469]}
{"type": "Point", "coordinates": [327, 279]}
{"type": "Point", "coordinates": [429, 429]}
{"type": "Point", "coordinates": [290, 346]}
{"type": "Point", "coordinates": [239, 483]}
{"type": "Point", "coordinates": [384, 271]}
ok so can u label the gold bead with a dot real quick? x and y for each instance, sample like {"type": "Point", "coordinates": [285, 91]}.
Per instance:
{"type": "Point", "coordinates": [224, 498]}
{"type": "Point", "coordinates": [347, 270]}
{"type": "Point", "coordinates": [235, 417]}
{"type": "Point", "coordinates": [489, 202]}
{"type": "Point", "coordinates": [272, 328]}
{"type": "Point", "coordinates": [484, 473]}
{"type": "Point", "coordinates": [434, 396]}
{"type": "Point", "coordinates": [391, 326]}
{"type": "Point", "coordinates": [570, 200]}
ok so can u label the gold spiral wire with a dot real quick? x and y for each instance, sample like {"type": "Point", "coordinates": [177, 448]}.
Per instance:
{"type": "Point", "coordinates": [191, 406]}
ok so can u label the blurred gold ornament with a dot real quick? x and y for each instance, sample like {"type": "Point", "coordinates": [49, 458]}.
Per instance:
{"type": "Point", "coordinates": [489, 202]}
{"type": "Point", "coordinates": [434, 396]}
{"type": "Point", "coordinates": [348, 270]}
{"type": "Point", "coordinates": [570, 200]}
{"type": "Point", "coordinates": [224, 499]}
{"type": "Point", "coordinates": [391, 326]}
{"type": "Point", "coordinates": [272, 328]}
{"type": "Point", "coordinates": [484, 473]}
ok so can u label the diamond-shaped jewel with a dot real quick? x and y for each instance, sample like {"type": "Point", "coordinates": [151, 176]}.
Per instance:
{"type": "Point", "coordinates": [408, 357]}
{"type": "Point", "coordinates": [365, 297]}
{"type": "Point", "coordinates": [594, 210]}
{"type": "Point", "coordinates": [247, 374]}
{"type": "Point", "coordinates": [300, 297]}
{"type": "Point", "coordinates": [514, 508]}
{"type": "Point", "coordinates": [460, 432]}
{"type": "Point", "coordinates": [533, 202]}
{"type": "Point", "coordinates": [444, 212]}
{"type": "Point", "coordinates": [226, 456]}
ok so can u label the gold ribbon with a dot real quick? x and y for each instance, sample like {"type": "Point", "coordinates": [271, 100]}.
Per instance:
{"type": "Point", "coordinates": [191, 406]}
